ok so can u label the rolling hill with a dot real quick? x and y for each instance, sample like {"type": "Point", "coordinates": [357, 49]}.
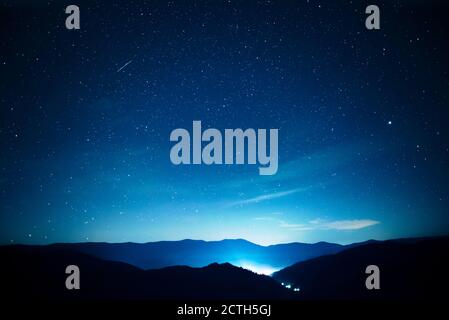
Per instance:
{"type": "Point", "coordinates": [38, 272]}
{"type": "Point", "coordinates": [409, 268]}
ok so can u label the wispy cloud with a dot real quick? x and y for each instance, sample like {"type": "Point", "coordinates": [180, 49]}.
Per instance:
{"type": "Point", "coordinates": [350, 224]}
{"type": "Point", "coordinates": [294, 226]}
{"type": "Point", "coordinates": [321, 224]}
{"type": "Point", "coordinates": [269, 196]}
{"type": "Point", "coordinates": [265, 219]}
{"type": "Point", "coordinates": [322, 163]}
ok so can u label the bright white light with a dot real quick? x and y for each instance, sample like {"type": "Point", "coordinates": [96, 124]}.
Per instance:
{"type": "Point", "coordinates": [288, 286]}
{"type": "Point", "coordinates": [259, 269]}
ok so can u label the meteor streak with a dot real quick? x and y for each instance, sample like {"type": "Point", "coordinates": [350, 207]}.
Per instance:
{"type": "Point", "coordinates": [124, 66]}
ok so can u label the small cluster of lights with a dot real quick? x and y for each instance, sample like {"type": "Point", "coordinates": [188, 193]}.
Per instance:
{"type": "Point", "coordinates": [289, 286]}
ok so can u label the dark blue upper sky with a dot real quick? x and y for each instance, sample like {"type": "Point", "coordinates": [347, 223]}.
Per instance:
{"type": "Point", "coordinates": [86, 115]}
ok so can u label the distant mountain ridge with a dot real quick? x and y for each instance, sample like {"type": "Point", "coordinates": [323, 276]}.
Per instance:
{"type": "Point", "coordinates": [199, 253]}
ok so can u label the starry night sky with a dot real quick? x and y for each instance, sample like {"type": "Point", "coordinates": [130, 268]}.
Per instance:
{"type": "Point", "coordinates": [85, 120]}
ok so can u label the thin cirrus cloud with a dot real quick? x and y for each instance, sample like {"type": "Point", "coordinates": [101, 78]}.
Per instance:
{"type": "Point", "coordinates": [320, 224]}
{"type": "Point", "coordinates": [350, 224]}
{"type": "Point", "coordinates": [269, 196]}
{"type": "Point", "coordinates": [322, 163]}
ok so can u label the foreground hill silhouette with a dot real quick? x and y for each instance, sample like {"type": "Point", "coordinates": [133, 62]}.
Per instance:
{"type": "Point", "coordinates": [409, 268]}
{"type": "Point", "coordinates": [198, 253]}
{"type": "Point", "coordinates": [38, 272]}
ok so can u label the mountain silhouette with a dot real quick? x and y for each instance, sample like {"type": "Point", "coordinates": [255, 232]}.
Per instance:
{"type": "Point", "coordinates": [38, 272]}
{"type": "Point", "coordinates": [409, 268]}
{"type": "Point", "coordinates": [198, 253]}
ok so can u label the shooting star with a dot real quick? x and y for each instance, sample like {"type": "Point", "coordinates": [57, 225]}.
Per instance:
{"type": "Point", "coordinates": [124, 66]}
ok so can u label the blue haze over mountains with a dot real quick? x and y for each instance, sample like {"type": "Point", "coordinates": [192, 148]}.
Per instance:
{"type": "Point", "coordinates": [198, 253]}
